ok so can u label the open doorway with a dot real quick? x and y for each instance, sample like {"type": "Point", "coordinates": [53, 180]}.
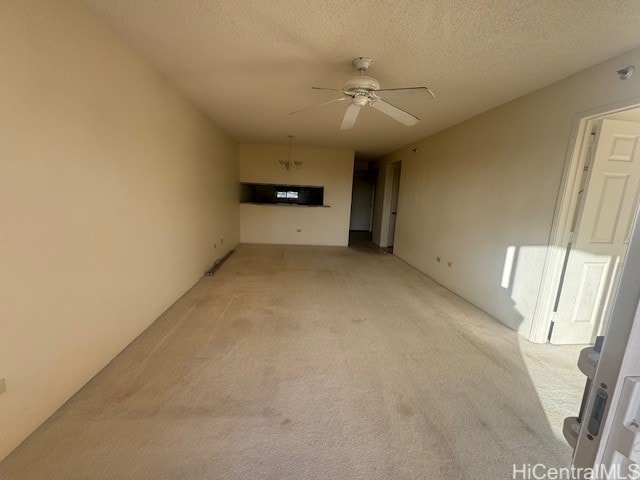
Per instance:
{"type": "Point", "coordinates": [599, 206]}
{"type": "Point", "coordinates": [362, 195]}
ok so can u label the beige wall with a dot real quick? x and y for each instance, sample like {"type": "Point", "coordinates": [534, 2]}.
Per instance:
{"type": "Point", "coordinates": [113, 190]}
{"type": "Point", "coordinates": [470, 192]}
{"type": "Point", "coordinates": [330, 168]}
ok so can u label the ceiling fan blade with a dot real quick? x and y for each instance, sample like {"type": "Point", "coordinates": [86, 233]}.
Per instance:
{"type": "Point", "coordinates": [350, 117]}
{"type": "Point", "coordinates": [410, 92]}
{"type": "Point", "coordinates": [322, 88]}
{"type": "Point", "coordinates": [394, 112]}
{"type": "Point", "coordinates": [318, 106]}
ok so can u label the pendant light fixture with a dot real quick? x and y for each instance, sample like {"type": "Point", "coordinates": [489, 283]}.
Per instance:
{"type": "Point", "coordinates": [288, 164]}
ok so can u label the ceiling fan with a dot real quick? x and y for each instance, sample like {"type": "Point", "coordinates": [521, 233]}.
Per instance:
{"type": "Point", "coordinates": [364, 90]}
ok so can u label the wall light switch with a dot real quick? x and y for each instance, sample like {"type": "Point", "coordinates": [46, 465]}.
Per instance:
{"type": "Point", "coordinates": [3, 386]}
{"type": "Point", "coordinates": [450, 264]}
{"type": "Point", "coordinates": [438, 259]}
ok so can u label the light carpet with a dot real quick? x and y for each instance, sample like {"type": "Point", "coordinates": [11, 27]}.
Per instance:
{"type": "Point", "coordinates": [299, 362]}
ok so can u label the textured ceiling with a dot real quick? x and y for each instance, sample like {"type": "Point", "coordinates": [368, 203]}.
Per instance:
{"type": "Point", "coordinates": [248, 63]}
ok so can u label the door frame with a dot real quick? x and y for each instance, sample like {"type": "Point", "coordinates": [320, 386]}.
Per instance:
{"type": "Point", "coordinates": [566, 205]}
{"type": "Point", "coordinates": [395, 191]}
{"type": "Point", "coordinates": [386, 200]}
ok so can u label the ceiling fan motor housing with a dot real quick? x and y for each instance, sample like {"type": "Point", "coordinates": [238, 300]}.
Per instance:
{"type": "Point", "coordinates": [362, 84]}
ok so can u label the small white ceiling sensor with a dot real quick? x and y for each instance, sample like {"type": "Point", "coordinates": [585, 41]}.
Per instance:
{"type": "Point", "coordinates": [364, 90]}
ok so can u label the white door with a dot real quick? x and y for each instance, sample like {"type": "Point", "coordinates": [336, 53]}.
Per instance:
{"type": "Point", "coordinates": [608, 434]}
{"type": "Point", "coordinates": [395, 187]}
{"type": "Point", "coordinates": [602, 235]}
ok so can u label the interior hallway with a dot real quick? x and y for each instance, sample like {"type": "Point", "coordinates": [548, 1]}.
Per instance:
{"type": "Point", "coordinates": [313, 362]}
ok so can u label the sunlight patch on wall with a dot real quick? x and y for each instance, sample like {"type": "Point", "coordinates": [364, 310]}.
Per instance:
{"type": "Point", "coordinates": [508, 266]}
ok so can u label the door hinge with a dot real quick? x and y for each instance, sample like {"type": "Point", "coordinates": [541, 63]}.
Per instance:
{"type": "Point", "coordinates": [551, 325]}
{"type": "Point", "coordinates": [590, 152]}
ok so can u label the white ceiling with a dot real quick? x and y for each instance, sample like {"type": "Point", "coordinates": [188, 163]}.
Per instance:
{"type": "Point", "coordinates": [248, 63]}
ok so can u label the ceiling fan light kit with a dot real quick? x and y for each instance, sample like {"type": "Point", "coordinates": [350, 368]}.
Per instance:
{"type": "Point", "coordinates": [364, 90]}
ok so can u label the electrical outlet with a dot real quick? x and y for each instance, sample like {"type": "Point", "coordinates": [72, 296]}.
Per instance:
{"type": "Point", "coordinates": [438, 259]}
{"type": "Point", "coordinates": [3, 386]}
{"type": "Point", "coordinates": [221, 241]}
{"type": "Point", "coordinates": [449, 264]}
{"type": "Point", "coordinates": [215, 245]}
